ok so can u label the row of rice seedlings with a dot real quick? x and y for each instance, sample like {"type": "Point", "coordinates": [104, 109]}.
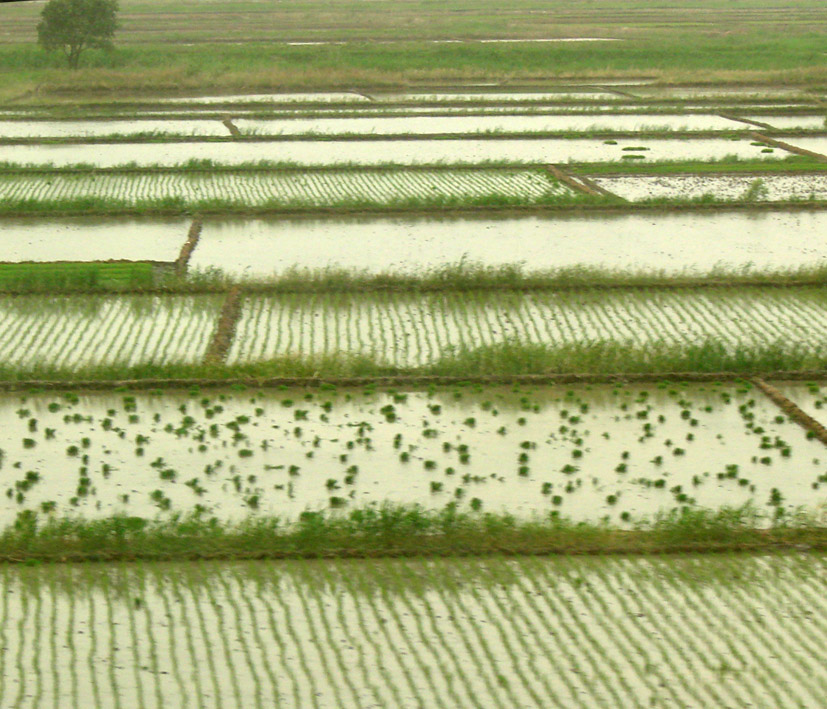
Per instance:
{"type": "Point", "coordinates": [415, 329]}
{"type": "Point", "coordinates": [295, 189]}
{"type": "Point", "coordinates": [68, 332]}
{"type": "Point", "coordinates": [446, 633]}
{"type": "Point", "coordinates": [327, 450]}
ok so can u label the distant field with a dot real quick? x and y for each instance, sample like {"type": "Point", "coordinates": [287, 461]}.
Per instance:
{"type": "Point", "coordinates": [256, 45]}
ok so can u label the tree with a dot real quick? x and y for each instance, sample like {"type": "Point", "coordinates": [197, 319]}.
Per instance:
{"type": "Point", "coordinates": [73, 26]}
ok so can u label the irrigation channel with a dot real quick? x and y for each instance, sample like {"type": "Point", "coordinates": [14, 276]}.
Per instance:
{"type": "Point", "coordinates": [560, 631]}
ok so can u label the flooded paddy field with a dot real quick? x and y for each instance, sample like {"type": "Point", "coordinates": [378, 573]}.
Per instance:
{"type": "Point", "coordinates": [479, 124]}
{"type": "Point", "coordinates": [411, 329]}
{"type": "Point", "coordinates": [65, 332]}
{"type": "Point", "coordinates": [770, 188]}
{"type": "Point", "coordinates": [407, 151]}
{"type": "Point", "coordinates": [91, 239]}
{"type": "Point", "coordinates": [818, 122]}
{"type": "Point", "coordinates": [296, 97]}
{"type": "Point", "coordinates": [670, 110]}
{"type": "Point", "coordinates": [85, 129]}
{"type": "Point", "coordinates": [688, 630]}
{"type": "Point", "coordinates": [811, 398]}
{"type": "Point", "coordinates": [573, 94]}
{"type": "Point", "coordinates": [482, 95]}
{"type": "Point", "coordinates": [817, 144]}
{"type": "Point", "coordinates": [619, 452]}
{"type": "Point", "coordinates": [397, 329]}
{"type": "Point", "coordinates": [290, 188]}
{"type": "Point", "coordinates": [668, 242]}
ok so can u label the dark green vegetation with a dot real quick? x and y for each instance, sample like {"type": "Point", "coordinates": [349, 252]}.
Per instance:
{"type": "Point", "coordinates": [74, 26]}
{"type": "Point", "coordinates": [140, 277]}
{"type": "Point", "coordinates": [793, 164]}
{"type": "Point", "coordinates": [394, 531]}
{"type": "Point", "coordinates": [75, 276]}
{"type": "Point", "coordinates": [509, 359]}
{"type": "Point", "coordinates": [174, 205]}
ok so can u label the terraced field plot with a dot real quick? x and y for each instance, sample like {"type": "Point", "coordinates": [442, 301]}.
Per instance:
{"type": "Point", "coordinates": [771, 188]}
{"type": "Point", "coordinates": [817, 144]}
{"type": "Point", "coordinates": [296, 97]}
{"type": "Point", "coordinates": [622, 452]}
{"type": "Point", "coordinates": [666, 111]}
{"type": "Point", "coordinates": [404, 152]}
{"type": "Point", "coordinates": [817, 122]}
{"type": "Point", "coordinates": [666, 242]}
{"type": "Point", "coordinates": [67, 332]}
{"type": "Point", "coordinates": [89, 238]}
{"type": "Point", "coordinates": [300, 189]}
{"type": "Point", "coordinates": [409, 330]}
{"type": "Point", "coordinates": [76, 129]}
{"type": "Point", "coordinates": [586, 632]}
{"type": "Point", "coordinates": [475, 124]}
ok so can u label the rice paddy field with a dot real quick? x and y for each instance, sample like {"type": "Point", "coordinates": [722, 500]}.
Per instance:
{"type": "Point", "coordinates": [507, 632]}
{"type": "Point", "coordinates": [473, 359]}
{"type": "Point", "coordinates": [619, 453]}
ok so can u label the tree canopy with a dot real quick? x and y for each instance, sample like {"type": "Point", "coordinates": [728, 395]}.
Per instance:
{"type": "Point", "coordinates": [72, 26]}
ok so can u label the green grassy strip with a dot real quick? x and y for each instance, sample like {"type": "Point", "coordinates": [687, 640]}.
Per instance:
{"type": "Point", "coordinates": [504, 359]}
{"type": "Point", "coordinates": [176, 205]}
{"type": "Point", "coordinates": [458, 277]}
{"type": "Point", "coordinates": [790, 164]}
{"type": "Point", "coordinates": [75, 276]}
{"type": "Point", "coordinates": [394, 531]}
{"type": "Point", "coordinates": [443, 204]}
{"type": "Point", "coordinates": [516, 277]}
{"type": "Point", "coordinates": [727, 163]}
{"type": "Point", "coordinates": [209, 165]}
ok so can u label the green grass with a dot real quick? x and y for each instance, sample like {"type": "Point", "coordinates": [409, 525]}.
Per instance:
{"type": "Point", "coordinates": [75, 276]}
{"type": "Point", "coordinates": [791, 164]}
{"type": "Point", "coordinates": [515, 277]}
{"type": "Point", "coordinates": [176, 205]}
{"type": "Point", "coordinates": [508, 359]}
{"type": "Point", "coordinates": [458, 277]}
{"type": "Point", "coordinates": [394, 530]}
{"type": "Point", "coordinates": [172, 67]}
{"type": "Point", "coordinates": [729, 163]}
